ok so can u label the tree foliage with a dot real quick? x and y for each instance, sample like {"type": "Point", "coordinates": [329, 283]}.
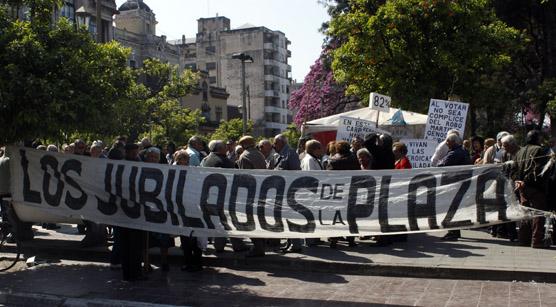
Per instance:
{"type": "Point", "coordinates": [54, 79]}
{"type": "Point", "coordinates": [231, 130]}
{"type": "Point", "coordinates": [414, 50]}
{"type": "Point", "coordinates": [57, 82]}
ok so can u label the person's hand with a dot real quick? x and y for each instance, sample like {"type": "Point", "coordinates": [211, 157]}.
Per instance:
{"type": "Point", "coordinates": [519, 185]}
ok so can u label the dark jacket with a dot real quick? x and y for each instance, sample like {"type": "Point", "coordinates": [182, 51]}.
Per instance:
{"type": "Point", "coordinates": [287, 159]}
{"type": "Point", "coordinates": [530, 161]}
{"type": "Point", "coordinates": [251, 158]}
{"type": "Point", "coordinates": [215, 160]}
{"type": "Point", "coordinates": [456, 156]}
{"type": "Point", "coordinates": [348, 162]}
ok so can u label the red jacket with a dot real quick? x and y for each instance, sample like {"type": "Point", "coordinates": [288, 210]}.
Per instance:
{"type": "Point", "coordinates": [403, 163]}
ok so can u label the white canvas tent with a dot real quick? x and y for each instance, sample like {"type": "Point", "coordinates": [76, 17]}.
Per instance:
{"type": "Point", "coordinates": [414, 127]}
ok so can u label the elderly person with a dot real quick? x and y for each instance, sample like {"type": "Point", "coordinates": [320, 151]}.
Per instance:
{"type": "Point", "coordinates": [163, 241]}
{"type": "Point", "coordinates": [194, 148]}
{"type": "Point", "coordinates": [265, 147]}
{"type": "Point", "coordinates": [442, 149]}
{"type": "Point", "coordinates": [495, 154]}
{"type": "Point", "coordinates": [456, 156]}
{"type": "Point", "coordinates": [529, 163]}
{"type": "Point", "coordinates": [252, 158]}
{"type": "Point", "coordinates": [344, 159]}
{"type": "Point", "coordinates": [313, 154]}
{"type": "Point", "coordinates": [217, 158]}
{"type": "Point", "coordinates": [96, 150]}
{"type": "Point", "coordinates": [181, 157]}
{"type": "Point", "coordinates": [400, 154]}
{"type": "Point", "coordinates": [365, 158]}
{"type": "Point", "coordinates": [288, 159]}
{"type": "Point", "coordinates": [52, 148]}
{"type": "Point", "coordinates": [191, 246]}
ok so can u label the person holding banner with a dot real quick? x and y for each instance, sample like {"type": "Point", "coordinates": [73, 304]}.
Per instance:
{"type": "Point", "coordinates": [456, 156]}
{"type": "Point", "coordinates": [252, 158]}
{"type": "Point", "coordinates": [530, 161]}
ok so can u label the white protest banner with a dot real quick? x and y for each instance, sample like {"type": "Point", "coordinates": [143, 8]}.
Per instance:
{"type": "Point", "coordinates": [443, 116]}
{"type": "Point", "coordinates": [350, 127]}
{"type": "Point", "coordinates": [420, 152]}
{"type": "Point", "coordinates": [260, 203]}
{"type": "Point", "coordinates": [380, 102]}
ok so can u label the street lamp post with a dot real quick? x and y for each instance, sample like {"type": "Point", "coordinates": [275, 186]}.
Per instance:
{"type": "Point", "coordinates": [244, 58]}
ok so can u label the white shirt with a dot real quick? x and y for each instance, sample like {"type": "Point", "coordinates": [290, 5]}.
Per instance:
{"type": "Point", "coordinates": [439, 153]}
{"type": "Point", "coordinates": [310, 163]}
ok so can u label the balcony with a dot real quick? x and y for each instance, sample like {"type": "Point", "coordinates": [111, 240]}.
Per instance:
{"type": "Point", "coordinates": [289, 53]}
{"type": "Point", "coordinates": [272, 109]}
{"type": "Point", "coordinates": [272, 125]}
{"type": "Point", "coordinates": [271, 93]}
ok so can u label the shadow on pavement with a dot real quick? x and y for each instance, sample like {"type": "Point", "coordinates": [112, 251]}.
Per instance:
{"type": "Point", "coordinates": [211, 287]}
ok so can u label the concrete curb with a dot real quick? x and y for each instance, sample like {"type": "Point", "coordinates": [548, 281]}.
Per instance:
{"type": "Point", "coordinates": [47, 300]}
{"type": "Point", "coordinates": [276, 263]}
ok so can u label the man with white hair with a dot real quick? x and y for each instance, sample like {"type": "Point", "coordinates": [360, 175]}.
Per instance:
{"type": "Point", "coordinates": [456, 156]}
{"type": "Point", "coordinates": [442, 149]}
{"type": "Point", "coordinates": [217, 158]}
{"type": "Point", "coordinates": [313, 154]}
{"type": "Point", "coordinates": [287, 159]}
{"type": "Point", "coordinates": [265, 147]}
{"type": "Point", "coordinates": [495, 153]}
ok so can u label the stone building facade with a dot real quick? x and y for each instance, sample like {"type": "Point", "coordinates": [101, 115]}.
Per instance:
{"type": "Point", "coordinates": [136, 29]}
{"type": "Point", "coordinates": [268, 78]}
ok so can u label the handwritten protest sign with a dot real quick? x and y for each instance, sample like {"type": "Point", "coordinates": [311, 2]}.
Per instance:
{"type": "Point", "coordinates": [350, 127]}
{"type": "Point", "coordinates": [419, 152]}
{"type": "Point", "coordinates": [444, 116]}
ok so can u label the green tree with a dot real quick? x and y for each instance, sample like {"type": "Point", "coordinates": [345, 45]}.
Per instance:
{"type": "Point", "coordinates": [231, 130]}
{"type": "Point", "coordinates": [54, 79]}
{"type": "Point", "coordinates": [414, 50]}
{"type": "Point", "coordinates": [154, 106]}
{"type": "Point", "coordinates": [293, 134]}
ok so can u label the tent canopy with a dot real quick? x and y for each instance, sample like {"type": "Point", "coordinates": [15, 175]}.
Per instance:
{"type": "Point", "coordinates": [411, 118]}
{"type": "Point", "coordinates": [331, 122]}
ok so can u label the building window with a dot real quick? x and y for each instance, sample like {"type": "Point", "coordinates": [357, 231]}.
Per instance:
{"type": "Point", "coordinates": [210, 50]}
{"type": "Point", "coordinates": [191, 66]}
{"type": "Point", "coordinates": [212, 80]}
{"type": "Point", "coordinates": [283, 104]}
{"type": "Point", "coordinates": [92, 26]}
{"type": "Point", "coordinates": [68, 10]}
{"type": "Point", "coordinates": [132, 64]}
{"type": "Point", "coordinates": [205, 91]}
{"type": "Point", "coordinates": [211, 65]}
{"type": "Point", "coordinates": [218, 113]}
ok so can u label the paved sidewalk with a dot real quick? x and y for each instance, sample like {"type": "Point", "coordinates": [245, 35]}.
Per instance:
{"type": "Point", "coordinates": [476, 256]}
{"type": "Point", "coordinates": [72, 283]}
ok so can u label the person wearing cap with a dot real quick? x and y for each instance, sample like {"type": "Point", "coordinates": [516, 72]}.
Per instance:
{"type": "Point", "coordinates": [252, 158]}
{"type": "Point", "coordinates": [495, 154]}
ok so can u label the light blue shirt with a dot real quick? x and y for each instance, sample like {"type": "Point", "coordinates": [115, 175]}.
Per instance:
{"type": "Point", "coordinates": [194, 157]}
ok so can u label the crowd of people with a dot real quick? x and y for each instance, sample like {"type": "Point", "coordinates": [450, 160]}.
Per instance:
{"type": "Point", "coordinates": [531, 167]}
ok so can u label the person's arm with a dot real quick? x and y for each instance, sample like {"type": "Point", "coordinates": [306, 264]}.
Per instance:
{"type": "Point", "coordinates": [439, 153]}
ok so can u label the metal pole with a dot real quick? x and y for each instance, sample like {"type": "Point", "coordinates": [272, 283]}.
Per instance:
{"type": "Point", "coordinates": [244, 100]}
{"type": "Point", "coordinates": [248, 103]}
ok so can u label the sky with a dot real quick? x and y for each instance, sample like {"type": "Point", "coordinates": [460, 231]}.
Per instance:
{"type": "Point", "coordinates": [298, 19]}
